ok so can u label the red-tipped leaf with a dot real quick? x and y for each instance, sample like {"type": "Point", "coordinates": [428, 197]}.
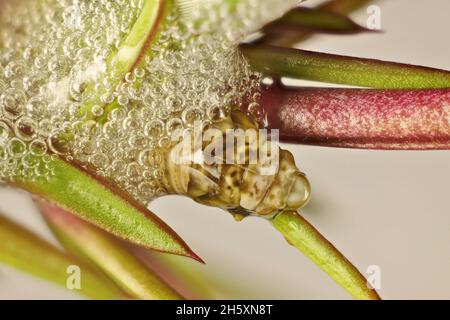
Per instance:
{"type": "Point", "coordinates": [99, 202]}
{"type": "Point", "coordinates": [345, 6]}
{"type": "Point", "coordinates": [341, 7]}
{"type": "Point", "coordinates": [107, 253]}
{"type": "Point", "coordinates": [313, 20]}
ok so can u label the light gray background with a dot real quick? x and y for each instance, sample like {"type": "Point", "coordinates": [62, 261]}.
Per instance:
{"type": "Point", "coordinates": [389, 209]}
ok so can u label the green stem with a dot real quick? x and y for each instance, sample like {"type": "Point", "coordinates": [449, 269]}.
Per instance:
{"type": "Point", "coordinates": [23, 250]}
{"type": "Point", "coordinates": [303, 236]}
{"type": "Point", "coordinates": [108, 254]}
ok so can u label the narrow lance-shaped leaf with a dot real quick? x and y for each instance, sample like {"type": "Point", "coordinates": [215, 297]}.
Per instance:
{"type": "Point", "coordinates": [323, 67]}
{"type": "Point", "coordinates": [303, 19]}
{"type": "Point", "coordinates": [21, 249]}
{"type": "Point", "coordinates": [188, 8]}
{"type": "Point", "coordinates": [303, 236]}
{"type": "Point", "coordinates": [344, 6]}
{"type": "Point", "coordinates": [340, 7]}
{"type": "Point", "coordinates": [98, 202]}
{"type": "Point", "coordinates": [359, 118]}
{"type": "Point", "coordinates": [181, 274]}
{"type": "Point", "coordinates": [107, 253]}
{"type": "Point", "coordinates": [144, 31]}
{"type": "Point", "coordinates": [155, 11]}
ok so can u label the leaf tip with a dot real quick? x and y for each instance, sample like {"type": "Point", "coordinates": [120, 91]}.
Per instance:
{"type": "Point", "coordinates": [191, 254]}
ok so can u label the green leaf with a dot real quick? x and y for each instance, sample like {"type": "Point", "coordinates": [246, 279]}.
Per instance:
{"type": "Point", "coordinates": [344, 6]}
{"type": "Point", "coordinates": [323, 67]}
{"type": "Point", "coordinates": [139, 38]}
{"type": "Point", "coordinates": [341, 7]}
{"type": "Point", "coordinates": [144, 32]}
{"type": "Point", "coordinates": [303, 236]}
{"type": "Point", "coordinates": [98, 202]}
{"type": "Point", "coordinates": [21, 249]}
{"type": "Point", "coordinates": [187, 8]}
{"type": "Point", "coordinates": [87, 241]}
{"type": "Point", "coordinates": [313, 20]}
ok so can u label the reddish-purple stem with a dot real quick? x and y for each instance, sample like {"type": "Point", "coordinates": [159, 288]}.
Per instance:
{"type": "Point", "coordinates": [359, 118]}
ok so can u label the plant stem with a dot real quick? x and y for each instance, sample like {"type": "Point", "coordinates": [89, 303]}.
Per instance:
{"type": "Point", "coordinates": [303, 236]}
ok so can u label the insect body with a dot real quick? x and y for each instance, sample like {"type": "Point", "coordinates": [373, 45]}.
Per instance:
{"type": "Point", "coordinates": [247, 185]}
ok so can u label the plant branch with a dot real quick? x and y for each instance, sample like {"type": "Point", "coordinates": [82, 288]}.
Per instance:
{"type": "Point", "coordinates": [303, 236]}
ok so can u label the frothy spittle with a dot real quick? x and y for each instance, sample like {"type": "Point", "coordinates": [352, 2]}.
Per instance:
{"type": "Point", "coordinates": [58, 96]}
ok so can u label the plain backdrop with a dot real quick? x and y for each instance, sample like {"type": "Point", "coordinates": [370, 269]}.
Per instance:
{"type": "Point", "coordinates": [389, 209]}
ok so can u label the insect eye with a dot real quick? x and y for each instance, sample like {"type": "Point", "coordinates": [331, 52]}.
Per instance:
{"type": "Point", "coordinates": [300, 193]}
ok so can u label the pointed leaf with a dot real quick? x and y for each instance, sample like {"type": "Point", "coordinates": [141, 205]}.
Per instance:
{"type": "Point", "coordinates": [140, 37]}
{"type": "Point", "coordinates": [183, 275]}
{"type": "Point", "coordinates": [143, 33]}
{"type": "Point", "coordinates": [98, 202]}
{"type": "Point", "coordinates": [359, 118]}
{"type": "Point", "coordinates": [303, 236]}
{"type": "Point", "coordinates": [189, 8]}
{"type": "Point", "coordinates": [302, 64]}
{"type": "Point", "coordinates": [21, 249]}
{"type": "Point", "coordinates": [313, 20]}
{"type": "Point", "coordinates": [341, 7]}
{"type": "Point", "coordinates": [344, 6]}
{"type": "Point", "coordinates": [106, 253]}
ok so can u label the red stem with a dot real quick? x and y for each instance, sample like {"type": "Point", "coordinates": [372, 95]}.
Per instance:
{"type": "Point", "coordinates": [359, 118]}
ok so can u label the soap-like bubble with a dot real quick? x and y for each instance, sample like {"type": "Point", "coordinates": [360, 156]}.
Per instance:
{"type": "Point", "coordinates": [61, 95]}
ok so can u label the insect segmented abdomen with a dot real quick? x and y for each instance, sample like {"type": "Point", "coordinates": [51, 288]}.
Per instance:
{"type": "Point", "coordinates": [249, 184]}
